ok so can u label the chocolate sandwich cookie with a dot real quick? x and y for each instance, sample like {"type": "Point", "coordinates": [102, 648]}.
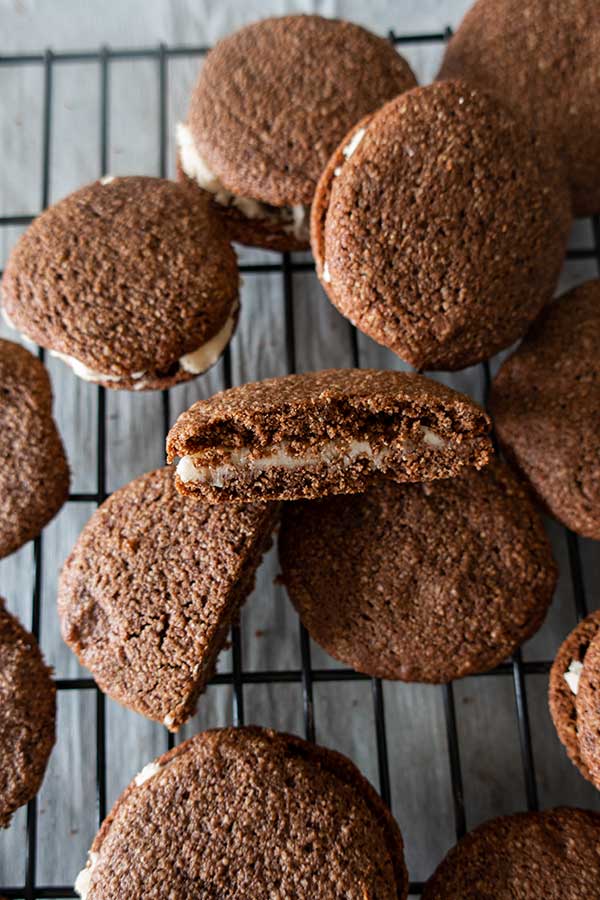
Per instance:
{"type": "Point", "coordinates": [271, 104]}
{"type": "Point", "coordinates": [545, 402]}
{"type": "Point", "coordinates": [439, 226]}
{"type": "Point", "coordinates": [247, 812]}
{"type": "Point", "coordinates": [148, 594]}
{"type": "Point", "coordinates": [329, 432]}
{"type": "Point", "coordinates": [27, 716]}
{"type": "Point", "coordinates": [574, 713]}
{"type": "Point", "coordinates": [540, 57]}
{"type": "Point", "coordinates": [34, 476]}
{"type": "Point", "coordinates": [420, 582]}
{"type": "Point", "coordinates": [131, 281]}
{"type": "Point", "coordinates": [553, 855]}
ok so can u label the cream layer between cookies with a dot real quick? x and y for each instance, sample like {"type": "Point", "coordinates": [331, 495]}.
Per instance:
{"type": "Point", "coordinates": [294, 219]}
{"type": "Point", "coordinates": [340, 452]}
{"type": "Point", "coordinates": [195, 363]}
{"type": "Point", "coordinates": [347, 151]}
{"type": "Point", "coordinates": [573, 674]}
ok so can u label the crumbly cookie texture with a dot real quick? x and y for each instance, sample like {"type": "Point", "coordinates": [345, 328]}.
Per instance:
{"type": "Point", "coordinates": [242, 812]}
{"type": "Point", "coordinates": [420, 582]}
{"type": "Point", "coordinates": [545, 402]}
{"type": "Point", "coordinates": [34, 476]}
{"type": "Point", "coordinates": [425, 218]}
{"type": "Point", "coordinates": [130, 281]}
{"type": "Point", "coordinates": [148, 594]}
{"type": "Point", "coordinates": [540, 57]}
{"type": "Point", "coordinates": [27, 716]}
{"type": "Point", "coordinates": [569, 706]}
{"type": "Point", "coordinates": [305, 436]}
{"type": "Point", "coordinates": [551, 854]}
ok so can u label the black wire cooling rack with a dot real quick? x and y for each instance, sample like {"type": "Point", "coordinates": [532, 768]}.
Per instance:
{"type": "Point", "coordinates": [516, 668]}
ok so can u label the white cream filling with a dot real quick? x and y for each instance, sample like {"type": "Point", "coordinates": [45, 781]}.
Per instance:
{"type": "Point", "coordinates": [294, 218]}
{"type": "Point", "coordinates": [83, 881]}
{"type": "Point", "coordinates": [347, 151]}
{"type": "Point", "coordinates": [573, 674]}
{"type": "Point", "coordinates": [190, 469]}
{"type": "Point", "coordinates": [148, 772]}
{"type": "Point", "coordinates": [168, 720]}
{"type": "Point", "coordinates": [206, 356]}
{"type": "Point", "coordinates": [195, 362]}
{"type": "Point", "coordinates": [106, 179]}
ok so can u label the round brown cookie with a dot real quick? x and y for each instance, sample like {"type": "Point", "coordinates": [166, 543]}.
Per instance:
{"type": "Point", "coordinates": [27, 716]}
{"type": "Point", "coordinates": [439, 226]}
{"type": "Point", "coordinates": [545, 402]}
{"type": "Point", "coordinates": [131, 280]}
{"type": "Point", "coordinates": [34, 476]}
{"type": "Point", "coordinates": [420, 582]}
{"type": "Point", "coordinates": [150, 590]}
{"type": "Point", "coordinates": [553, 854]}
{"type": "Point", "coordinates": [541, 58]}
{"type": "Point", "coordinates": [329, 432]}
{"type": "Point", "coordinates": [587, 703]}
{"type": "Point", "coordinates": [248, 812]}
{"type": "Point", "coordinates": [259, 140]}
{"type": "Point", "coordinates": [562, 698]}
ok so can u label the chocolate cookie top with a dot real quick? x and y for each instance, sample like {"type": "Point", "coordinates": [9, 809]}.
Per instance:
{"type": "Point", "coordinates": [541, 58]}
{"type": "Point", "coordinates": [439, 226]}
{"type": "Point", "coordinates": [545, 402]}
{"type": "Point", "coordinates": [27, 716]}
{"type": "Point", "coordinates": [151, 587]}
{"type": "Point", "coordinates": [552, 854]}
{"type": "Point", "coordinates": [275, 98]}
{"type": "Point", "coordinates": [420, 582]}
{"type": "Point", "coordinates": [248, 812]}
{"type": "Point", "coordinates": [565, 677]}
{"type": "Point", "coordinates": [34, 476]}
{"type": "Point", "coordinates": [305, 436]}
{"type": "Point", "coordinates": [128, 279]}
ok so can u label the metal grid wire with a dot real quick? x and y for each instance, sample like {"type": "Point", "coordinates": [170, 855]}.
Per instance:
{"type": "Point", "coordinates": [516, 668]}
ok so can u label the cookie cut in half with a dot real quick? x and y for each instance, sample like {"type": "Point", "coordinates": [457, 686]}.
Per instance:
{"type": "Point", "coordinates": [247, 812]}
{"type": "Point", "coordinates": [34, 477]}
{"type": "Point", "coordinates": [574, 693]}
{"type": "Point", "coordinates": [540, 57]}
{"type": "Point", "coordinates": [420, 582]}
{"type": "Point", "coordinates": [545, 402]}
{"type": "Point", "coordinates": [551, 854]}
{"type": "Point", "coordinates": [27, 716]}
{"type": "Point", "coordinates": [439, 226]}
{"type": "Point", "coordinates": [131, 281]}
{"type": "Point", "coordinates": [272, 102]}
{"type": "Point", "coordinates": [328, 432]}
{"type": "Point", "coordinates": [148, 594]}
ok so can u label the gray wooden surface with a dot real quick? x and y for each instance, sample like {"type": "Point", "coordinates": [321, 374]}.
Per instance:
{"type": "Point", "coordinates": [416, 732]}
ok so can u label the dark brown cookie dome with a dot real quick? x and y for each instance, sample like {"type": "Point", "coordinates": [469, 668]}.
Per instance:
{"type": "Point", "coordinates": [439, 226]}
{"type": "Point", "coordinates": [148, 593]}
{"type": "Point", "coordinates": [541, 58]}
{"type": "Point", "coordinates": [420, 582]}
{"type": "Point", "coordinates": [248, 812]}
{"type": "Point", "coordinates": [565, 678]}
{"type": "Point", "coordinates": [27, 716]}
{"type": "Point", "coordinates": [127, 278]}
{"type": "Point", "coordinates": [551, 854]}
{"type": "Point", "coordinates": [328, 432]}
{"type": "Point", "coordinates": [34, 476]}
{"type": "Point", "coordinates": [545, 402]}
{"type": "Point", "coordinates": [271, 103]}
